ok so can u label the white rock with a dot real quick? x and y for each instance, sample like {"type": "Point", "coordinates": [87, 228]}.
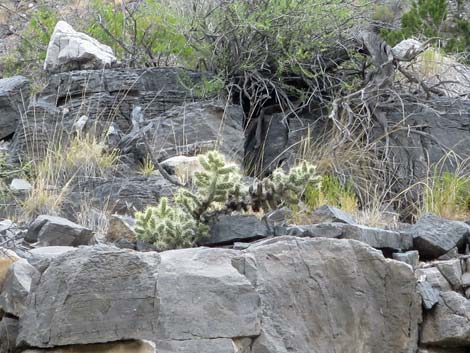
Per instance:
{"type": "Point", "coordinates": [434, 67]}
{"type": "Point", "coordinates": [183, 167]}
{"type": "Point", "coordinates": [71, 50]}
{"type": "Point", "coordinates": [20, 185]}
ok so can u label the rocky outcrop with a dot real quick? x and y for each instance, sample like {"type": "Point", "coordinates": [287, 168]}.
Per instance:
{"type": "Point", "coordinates": [285, 294]}
{"type": "Point", "coordinates": [14, 98]}
{"type": "Point", "coordinates": [446, 323]}
{"type": "Point", "coordinates": [57, 231]}
{"type": "Point", "coordinates": [375, 237]}
{"type": "Point", "coordinates": [198, 127]}
{"type": "Point", "coordinates": [17, 286]}
{"type": "Point", "coordinates": [71, 50]}
{"type": "Point", "coordinates": [434, 236]}
{"type": "Point", "coordinates": [155, 297]}
{"type": "Point", "coordinates": [315, 298]}
{"type": "Point", "coordinates": [104, 96]}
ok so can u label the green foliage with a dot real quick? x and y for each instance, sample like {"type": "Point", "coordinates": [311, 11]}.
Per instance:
{"type": "Point", "coordinates": [30, 53]}
{"type": "Point", "coordinates": [265, 50]}
{"type": "Point", "coordinates": [331, 192]}
{"type": "Point", "coordinates": [166, 227]}
{"type": "Point", "coordinates": [429, 19]}
{"type": "Point", "coordinates": [148, 32]}
{"type": "Point", "coordinates": [282, 188]}
{"type": "Point", "coordinates": [217, 188]}
{"type": "Point", "coordinates": [181, 225]}
{"type": "Point", "coordinates": [213, 185]}
{"type": "Point", "coordinates": [447, 195]}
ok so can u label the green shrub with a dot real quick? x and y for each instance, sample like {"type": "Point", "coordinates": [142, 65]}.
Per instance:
{"type": "Point", "coordinates": [272, 52]}
{"type": "Point", "coordinates": [331, 192]}
{"type": "Point", "coordinates": [145, 33]}
{"type": "Point", "coordinates": [429, 19]}
{"type": "Point", "coordinates": [447, 195]}
{"type": "Point", "coordinates": [217, 188]}
{"type": "Point", "coordinates": [30, 53]}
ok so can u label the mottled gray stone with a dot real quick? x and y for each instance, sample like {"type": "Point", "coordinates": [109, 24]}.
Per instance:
{"type": "Point", "coordinates": [434, 277]}
{"type": "Point", "coordinates": [466, 280]}
{"type": "Point", "coordinates": [448, 324]}
{"type": "Point", "coordinates": [14, 98]}
{"type": "Point", "coordinates": [375, 237]}
{"type": "Point", "coordinates": [328, 295]}
{"type": "Point", "coordinates": [228, 229]}
{"type": "Point", "coordinates": [93, 295]}
{"type": "Point", "coordinates": [327, 214]}
{"type": "Point", "coordinates": [203, 296]}
{"type": "Point", "coordinates": [452, 271]}
{"type": "Point", "coordinates": [103, 294]}
{"type": "Point", "coordinates": [41, 257]}
{"type": "Point", "coordinates": [198, 127]}
{"type": "Point", "coordinates": [429, 295]}
{"type": "Point", "coordinates": [410, 257]}
{"type": "Point", "coordinates": [57, 231]}
{"type": "Point", "coordinates": [20, 278]}
{"type": "Point", "coordinates": [434, 236]}
{"type": "Point", "coordinates": [216, 345]}
{"type": "Point", "coordinates": [104, 96]}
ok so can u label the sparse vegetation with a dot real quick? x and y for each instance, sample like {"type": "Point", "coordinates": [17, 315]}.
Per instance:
{"type": "Point", "coordinates": [447, 195]}
{"type": "Point", "coordinates": [217, 189]}
{"type": "Point", "coordinates": [428, 19]}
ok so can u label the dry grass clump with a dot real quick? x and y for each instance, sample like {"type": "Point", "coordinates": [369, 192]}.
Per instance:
{"type": "Point", "coordinates": [62, 167]}
{"type": "Point", "coordinates": [445, 193]}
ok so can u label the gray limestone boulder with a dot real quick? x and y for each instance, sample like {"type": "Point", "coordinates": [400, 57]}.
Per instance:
{"type": "Point", "coordinates": [21, 277]}
{"type": "Point", "coordinates": [375, 237]}
{"type": "Point", "coordinates": [93, 295]}
{"type": "Point", "coordinates": [102, 294]}
{"type": "Point", "coordinates": [410, 257]}
{"type": "Point", "coordinates": [452, 271]}
{"type": "Point", "coordinates": [106, 97]}
{"type": "Point", "coordinates": [327, 214]}
{"type": "Point", "coordinates": [57, 231]}
{"type": "Point", "coordinates": [227, 229]}
{"type": "Point", "coordinates": [198, 127]}
{"type": "Point", "coordinates": [328, 295]}
{"type": "Point", "coordinates": [448, 324]}
{"type": "Point", "coordinates": [14, 98]}
{"type": "Point", "coordinates": [41, 257]}
{"type": "Point", "coordinates": [71, 50]}
{"type": "Point", "coordinates": [434, 236]}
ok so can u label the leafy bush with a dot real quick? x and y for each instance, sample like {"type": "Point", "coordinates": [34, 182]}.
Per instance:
{"type": "Point", "coordinates": [144, 33]}
{"type": "Point", "coordinates": [429, 19]}
{"type": "Point", "coordinates": [217, 188]}
{"type": "Point", "coordinates": [34, 38]}
{"type": "Point", "coordinates": [273, 51]}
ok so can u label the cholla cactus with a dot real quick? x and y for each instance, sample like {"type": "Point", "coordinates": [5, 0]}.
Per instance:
{"type": "Point", "coordinates": [167, 227]}
{"type": "Point", "coordinates": [282, 188]}
{"type": "Point", "coordinates": [213, 185]}
{"type": "Point", "coordinates": [218, 188]}
{"type": "Point", "coordinates": [180, 226]}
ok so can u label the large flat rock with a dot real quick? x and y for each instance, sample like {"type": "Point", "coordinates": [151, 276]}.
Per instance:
{"type": "Point", "coordinates": [285, 294]}
{"type": "Point", "coordinates": [328, 295]}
